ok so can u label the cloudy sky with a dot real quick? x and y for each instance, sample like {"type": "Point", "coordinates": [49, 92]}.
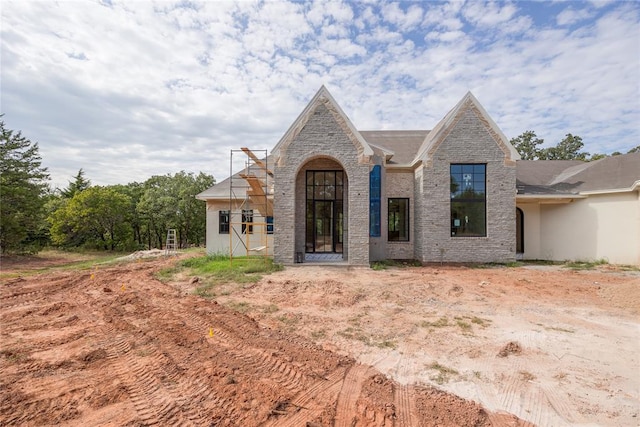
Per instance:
{"type": "Point", "coordinates": [130, 89]}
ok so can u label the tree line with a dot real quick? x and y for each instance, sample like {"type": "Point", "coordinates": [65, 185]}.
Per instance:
{"type": "Point", "coordinates": [119, 217]}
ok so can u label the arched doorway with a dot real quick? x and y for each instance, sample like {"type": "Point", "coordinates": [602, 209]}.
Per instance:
{"type": "Point", "coordinates": [519, 233]}
{"type": "Point", "coordinates": [324, 211]}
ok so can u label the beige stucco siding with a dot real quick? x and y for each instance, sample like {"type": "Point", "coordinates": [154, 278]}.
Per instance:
{"type": "Point", "coordinates": [598, 227]}
{"type": "Point", "coordinates": [531, 215]}
{"type": "Point", "coordinates": [219, 243]}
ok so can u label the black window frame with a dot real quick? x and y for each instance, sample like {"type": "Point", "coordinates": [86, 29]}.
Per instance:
{"type": "Point", "coordinates": [468, 203]}
{"type": "Point", "coordinates": [223, 222]}
{"type": "Point", "coordinates": [394, 231]}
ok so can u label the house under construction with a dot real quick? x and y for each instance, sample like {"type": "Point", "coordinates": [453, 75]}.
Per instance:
{"type": "Point", "coordinates": [244, 207]}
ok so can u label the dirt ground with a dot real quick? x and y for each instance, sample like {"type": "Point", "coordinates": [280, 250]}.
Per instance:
{"type": "Point", "coordinates": [322, 346]}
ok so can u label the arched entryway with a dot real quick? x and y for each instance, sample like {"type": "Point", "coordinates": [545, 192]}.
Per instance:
{"type": "Point", "coordinates": [519, 233]}
{"type": "Point", "coordinates": [322, 210]}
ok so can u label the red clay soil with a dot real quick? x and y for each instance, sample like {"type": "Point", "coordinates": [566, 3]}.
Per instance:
{"type": "Point", "coordinates": [115, 346]}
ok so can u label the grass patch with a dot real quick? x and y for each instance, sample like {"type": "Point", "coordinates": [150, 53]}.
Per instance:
{"type": "Point", "coordinates": [220, 268]}
{"type": "Point", "coordinates": [585, 265]}
{"type": "Point", "coordinates": [55, 260]}
{"type": "Point", "coordinates": [556, 328]}
{"type": "Point", "coordinates": [271, 308]}
{"type": "Point", "coordinates": [214, 270]}
{"type": "Point", "coordinates": [444, 373]}
{"type": "Point", "coordinates": [463, 324]}
{"type": "Point", "coordinates": [387, 263]}
{"type": "Point", "coordinates": [440, 323]}
{"type": "Point", "coordinates": [480, 321]}
{"type": "Point", "coordinates": [239, 306]}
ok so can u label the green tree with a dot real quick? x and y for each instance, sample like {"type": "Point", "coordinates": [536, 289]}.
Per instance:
{"type": "Point", "coordinates": [96, 218]}
{"type": "Point", "coordinates": [23, 187]}
{"type": "Point", "coordinates": [528, 145]}
{"type": "Point", "coordinates": [169, 202]}
{"type": "Point", "coordinates": [634, 150]}
{"type": "Point", "coordinates": [78, 184]}
{"type": "Point", "coordinates": [567, 149]}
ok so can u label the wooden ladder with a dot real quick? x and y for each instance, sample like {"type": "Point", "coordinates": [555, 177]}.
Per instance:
{"type": "Point", "coordinates": [171, 246]}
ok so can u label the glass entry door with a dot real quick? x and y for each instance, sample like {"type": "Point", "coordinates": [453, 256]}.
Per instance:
{"type": "Point", "coordinates": [323, 226]}
{"type": "Point", "coordinates": [324, 212]}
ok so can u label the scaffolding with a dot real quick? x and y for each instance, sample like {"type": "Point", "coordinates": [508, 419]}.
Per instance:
{"type": "Point", "coordinates": [250, 205]}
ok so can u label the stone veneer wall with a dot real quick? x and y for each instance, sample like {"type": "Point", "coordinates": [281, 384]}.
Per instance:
{"type": "Point", "coordinates": [321, 137]}
{"type": "Point", "coordinates": [398, 184]}
{"type": "Point", "coordinates": [469, 141]}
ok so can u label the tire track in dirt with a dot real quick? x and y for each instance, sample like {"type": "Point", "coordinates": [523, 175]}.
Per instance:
{"type": "Point", "coordinates": [349, 394]}
{"type": "Point", "coordinates": [262, 362]}
{"type": "Point", "coordinates": [310, 403]}
{"type": "Point", "coordinates": [153, 402]}
{"type": "Point", "coordinates": [560, 406]}
{"type": "Point", "coordinates": [404, 398]}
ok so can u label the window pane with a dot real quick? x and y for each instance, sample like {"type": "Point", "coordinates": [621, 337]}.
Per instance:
{"type": "Point", "coordinates": [309, 178]}
{"type": "Point", "coordinates": [468, 219]}
{"type": "Point", "coordinates": [468, 205]}
{"type": "Point", "coordinates": [318, 178]}
{"type": "Point", "coordinates": [398, 220]}
{"type": "Point", "coordinates": [329, 178]}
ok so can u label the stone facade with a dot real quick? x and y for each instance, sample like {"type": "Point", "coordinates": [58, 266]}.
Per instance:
{"type": "Point", "coordinates": [469, 141]}
{"type": "Point", "coordinates": [321, 137]}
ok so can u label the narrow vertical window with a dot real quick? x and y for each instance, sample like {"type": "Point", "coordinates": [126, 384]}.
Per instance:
{"type": "Point", "coordinates": [223, 222]}
{"type": "Point", "coordinates": [398, 220]}
{"type": "Point", "coordinates": [374, 201]}
{"type": "Point", "coordinates": [269, 225]}
{"type": "Point", "coordinates": [468, 200]}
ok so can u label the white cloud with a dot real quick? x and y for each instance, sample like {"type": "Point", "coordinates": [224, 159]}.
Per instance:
{"type": "Point", "coordinates": [570, 16]}
{"type": "Point", "coordinates": [140, 88]}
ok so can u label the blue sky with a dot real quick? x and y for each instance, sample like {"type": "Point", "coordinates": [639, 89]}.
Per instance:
{"type": "Point", "coordinates": [130, 89]}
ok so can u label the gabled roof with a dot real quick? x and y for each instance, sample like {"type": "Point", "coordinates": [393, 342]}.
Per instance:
{"type": "Point", "coordinates": [442, 129]}
{"type": "Point", "coordinates": [609, 174]}
{"type": "Point", "coordinates": [323, 97]}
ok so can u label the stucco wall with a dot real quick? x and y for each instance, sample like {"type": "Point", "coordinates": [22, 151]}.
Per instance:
{"type": "Point", "coordinates": [531, 215]}
{"type": "Point", "coordinates": [219, 243]}
{"type": "Point", "coordinates": [598, 227]}
{"type": "Point", "coordinates": [468, 142]}
{"type": "Point", "coordinates": [321, 136]}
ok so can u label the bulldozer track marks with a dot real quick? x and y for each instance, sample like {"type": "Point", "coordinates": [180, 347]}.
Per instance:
{"type": "Point", "coordinates": [349, 393]}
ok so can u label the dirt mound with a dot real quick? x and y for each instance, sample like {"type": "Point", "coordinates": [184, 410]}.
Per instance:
{"type": "Point", "coordinates": [511, 348]}
{"type": "Point", "coordinates": [143, 354]}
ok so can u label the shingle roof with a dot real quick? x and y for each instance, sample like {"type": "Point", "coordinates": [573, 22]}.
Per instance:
{"type": "Point", "coordinates": [404, 144]}
{"type": "Point", "coordinates": [574, 176]}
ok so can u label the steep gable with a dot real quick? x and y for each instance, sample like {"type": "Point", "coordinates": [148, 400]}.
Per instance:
{"type": "Point", "coordinates": [444, 127]}
{"type": "Point", "coordinates": [323, 98]}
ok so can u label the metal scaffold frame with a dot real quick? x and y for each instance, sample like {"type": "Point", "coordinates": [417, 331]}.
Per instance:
{"type": "Point", "coordinates": [250, 205]}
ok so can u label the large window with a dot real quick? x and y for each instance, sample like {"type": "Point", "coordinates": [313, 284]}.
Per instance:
{"type": "Point", "coordinates": [398, 230]}
{"type": "Point", "coordinates": [468, 200]}
{"type": "Point", "coordinates": [374, 201]}
{"type": "Point", "coordinates": [223, 222]}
